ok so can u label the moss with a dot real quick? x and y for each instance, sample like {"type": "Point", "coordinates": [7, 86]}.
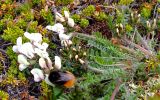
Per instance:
{"type": "Point", "coordinates": [28, 16]}
{"type": "Point", "coordinates": [88, 11]}
{"type": "Point", "coordinates": [4, 95]}
{"type": "Point", "coordinates": [48, 16]}
{"type": "Point", "coordinates": [24, 8]}
{"type": "Point", "coordinates": [128, 28]}
{"type": "Point", "coordinates": [101, 16]}
{"type": "Point", "coordinates": [12, 33]}
{"type": "Point", "coordinates": [1, 25]}
{"type": "Point", "coordinates": [84, 23]}
{"type": "Point", "coordinates": [145, 12]}
{"type": "Point", "coordinates": [36, 2]}
{"type": "Point", "coordinates": [63, 2]}
{"type": "Point", "coordinates": [64, 9]}
{"type": "Point", "coordinates": [125, 2]}
{"type": "Point", "coordinates": [120, 17]}
{"type": "Point", "coordinates": [76, 18]}
{"type": "Point", "coordinates": [21, 23]}
{"type": "Point", "coordinates": [32, 27]}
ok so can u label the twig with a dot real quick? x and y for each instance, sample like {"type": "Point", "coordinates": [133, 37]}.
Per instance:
{"type": "Point", "coordinates": [154, 14]}
{"type": "Point", "coordinates": [116, 89]}
{"type": "Point", "coordinates": [142, 41]}
{"type": "Point", "coordinates": [96, 70]}
{"type": "Point", "coordinates": [127, 49]}
{"type": "Point", "coordinates": [138, 47]}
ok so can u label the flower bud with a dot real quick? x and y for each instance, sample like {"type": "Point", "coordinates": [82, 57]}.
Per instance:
{"type": "Point", "coordinates": [132, 16]}
{"type": "Point", "coordinates": [76, 57]}
{"type": "Point", "coordinates": [70, 56]}
{"type": "Point", "coordinates": [154, 23]}
{"type": "Point", "coordinates": [49, 63]}
{"type": "Point", "coordinates": [57, 62]}
{"type": "Point", "coordinates": [81, 61]}
{"type": "Point", "coordinates": [70, 22]}
{"type": "Point", "coordinates": [59, 17]}
{"type": "Point", "coordinates": [42, 63]}
{"type": "Point", "coordinates": [66, 14]}
{"type": "Point", "coordinates": [74, 49]}
{"type": "Point", "coordinates": [117, 30]}
{"type": "Point", "coordinates": [22, 59]}
{"type": "Point", "coordinates": [69, 42]}
{"type": "Point", "coordinates": [63, 37]}
{"type": "Point", "coordinates": [139, 18]}
{"type": "Point", "coordinates": [148, 24]}
{"type": "Point", "coordinates": [84, 53]}
{"type": "Point", "coordinates": [121, 26]}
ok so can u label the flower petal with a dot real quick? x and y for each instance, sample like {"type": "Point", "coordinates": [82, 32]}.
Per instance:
{"type": "Point", "coordinates": [59, 17]}
{"type": "Point", "coordinates": [37, 78]}
{"type": "Point", "coordinates": [66, 14]}
{"type": "Point", "coordinates": [70, 22]}
{"type": "Point", "coordinates": [36, 71]}
{"type": "Point", "coordinates": [22, 67]}
{"type": "Point", "coordinates": [42, 63]}
{"type": "Point", "coordinates": [41, 53]}
{"type": "Point", "coordinates": [49, 27]}
{"type": "Point", "coordinates": [44, 46]}
{"type": "Point", "coordinates": [15, 48]}
{"type": "Point", "coordinates": [22, 59]}
{"type": "Point", "coordinates": [27, 35]}
{"type": "Point", "coordinates": [64, 37]}
{"type": "Point", "coordinates": [57, 62]}
{"type": "Point", "coordinates": [33, 37]}
{"type": "Point", "coordinates": [19, 41]}
{"type": "Point", "coordinates": [49, 63]}
{"type": "Point", "coordinates": [27, 49]}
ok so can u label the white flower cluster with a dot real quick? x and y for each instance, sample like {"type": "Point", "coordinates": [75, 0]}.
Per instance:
{"type": "Point", "coordinates": [58, 28]}
{"type": "Point", "coordinates": [29, 51]}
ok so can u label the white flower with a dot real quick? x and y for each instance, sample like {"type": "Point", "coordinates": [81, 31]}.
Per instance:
{"type": "Point", "coordinates": [76, 57]}
{"type": "Point", "coordinates": [45, 63]}
{"type": "Point", "coordinates": [66, 43]}
{"type": "Point", "coordinates": [81, 61]}
{"type": "Point", "coordinates": [59, 17]}
{"type": "Point", "coordinates": [27, 49]}
{"type": "Point", "coordinates": [22, 59]}
{"type": "Point", "coordinates": [38, 74]}
{"type": "Point", "coordinates": [56, 28]}
{"type": "Point", "coordinates": [49, 63]}
{"type": "Point", "coordinates": [41, 53]}
{"type": "Point", "coordinates": [64, 37]}
{"type": "Point", "coordinates": [66, 14]}
{"type": "Point", "coordinates": [42, 46]}
{"type": "Point", "coordinates": [18, 44]}
{"type": "Point", "coordinates": [22, 67]}
{"type": "Point", "coordinates": [70, 22]}
{"type": "Point", "coordinates": [19, 41]}
{"type": "Point", "coordinates": [33, 37]}
{"type": "Point", "coordinates": [42, 63]}
{"type": "Point", "coordinates": [57, 62]}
